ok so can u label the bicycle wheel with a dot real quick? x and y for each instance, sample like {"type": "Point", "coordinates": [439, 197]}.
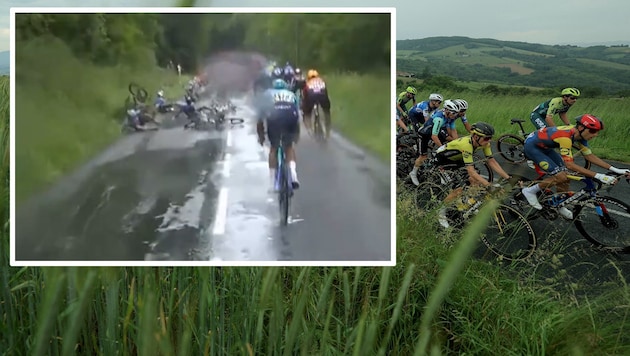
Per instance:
{"type": "Point", "coordinates": [319, 132]}
{"type": "Point", "coordinates": [509, 235]}
{"type": "Point", "coordinates": [484, 170]}
{"type": "Point", "coordinates": [284, 194]}
{"type": "Point", "coordinates": [510, 147]}
{"type": "Point", "coordinates": [605, 222]}
{"type": "Point", "coordinates": [404, 162]}
{"type": "Point", "coordinates": [138, 92]}
{"type": "Point", "coordinates": [430, 195]}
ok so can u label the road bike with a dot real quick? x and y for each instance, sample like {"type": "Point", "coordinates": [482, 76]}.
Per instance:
{"type": "Point", "coordinates": [602, 220]}
{"type": "Point", "coordinates": [508, 234]}
{"type": "Point", "coordinates": [510, 147]}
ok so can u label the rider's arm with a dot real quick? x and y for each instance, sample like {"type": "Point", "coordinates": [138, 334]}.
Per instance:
{"type": "Point", "coordinates": [563, 117]}
{"type": "Point", "coordinates": [476, 177]}
{"type": "Point", "coordinates": [435, 130]}
{"type": "Point", "coordinates": [555, 105]}
{"type": "Point", "coordinates": [497, 168]}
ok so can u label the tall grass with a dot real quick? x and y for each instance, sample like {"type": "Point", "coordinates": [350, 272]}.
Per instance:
{"type": "Point", "coordinates": [70, 111]}
{"type": "Point", "coordinates": [423, 304]}
{"type": "Point", "coordinates": [361, 109]}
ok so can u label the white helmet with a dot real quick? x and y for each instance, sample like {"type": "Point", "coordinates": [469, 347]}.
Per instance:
{"type": "Point", "coordinates": [450, 105]}
{"type": "Point", "coordinates": [436, 96]}
{"type": "Point", "coordinates": [463, 105]}
{"type": "Point", "coordinates": [160, 93]}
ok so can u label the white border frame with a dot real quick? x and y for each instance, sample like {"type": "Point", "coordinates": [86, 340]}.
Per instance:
{"type": "Point", "coordinates": [390, 10]}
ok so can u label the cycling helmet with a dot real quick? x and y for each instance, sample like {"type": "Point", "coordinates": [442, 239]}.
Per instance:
{"type": "Point", "coordinates": [450, 105]}
{"type": "Point", "coordinates": [482, 129]}
{"type": "Point", "coordinates": [312, 73]}
{"type": "Point", "coordinates": [463, 104]}
{"type": "Point", "coordinates": [436, 96]}
{"type": "Point", "coordinates": [590, 122]}
{"type": "Point", "coordinates": [570, 91]}
{"type": "Point", "coordinates": [298, 71]}
{"type": "Point", "coordinates": [411, 90]}
{"type": "Point", "coordinates": [160, 93]}
{"type": "Point", "coordinates": [279, 84]}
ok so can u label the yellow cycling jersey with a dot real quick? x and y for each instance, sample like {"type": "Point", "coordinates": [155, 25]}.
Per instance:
{"type": "Point", "coordinates": [462, 149]}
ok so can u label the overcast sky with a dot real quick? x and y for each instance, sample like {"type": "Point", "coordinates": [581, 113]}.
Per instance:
{"type": "Point", "coordinates": [581, 22]}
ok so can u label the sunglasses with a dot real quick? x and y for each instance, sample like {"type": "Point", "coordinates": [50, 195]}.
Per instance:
{"type": "Point", "coordinates": [593, 131]}
{"type": "Point", "coordinates": [486, 138]}
{"type": "Point", "coordinates": [573, 97]}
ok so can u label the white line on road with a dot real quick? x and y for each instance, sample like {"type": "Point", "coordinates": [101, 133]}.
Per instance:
{"type": "Point", "coordinates": [226, 165]}
{"type": "Point", "coordinates": [221, 214]}
{"type": "Point", "coordinates": [228, 139]}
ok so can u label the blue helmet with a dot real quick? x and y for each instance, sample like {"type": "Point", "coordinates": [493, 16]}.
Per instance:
{"type": "Point", "coordinates": [279, 84]}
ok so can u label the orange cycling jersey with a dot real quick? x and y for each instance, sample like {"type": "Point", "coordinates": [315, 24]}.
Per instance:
{"type": "Point", "coordinates": [315, 85]}
{"type": "Point", "coordinates": [558, 137]}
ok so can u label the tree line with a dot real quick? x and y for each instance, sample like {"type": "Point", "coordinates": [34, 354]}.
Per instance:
{"type": "Point", "coordinates": [345, 42]}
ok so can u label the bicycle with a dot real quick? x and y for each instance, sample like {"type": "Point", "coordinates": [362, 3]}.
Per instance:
{"type": "Point", "coordinates": [510, 147]}
{"type": "Point", "coordinates": [508, 235]}
{"type": "Point", "coordinates": [283, 184]}
{"type": "Point", "coordinates": [318, 131]}
{"type": "Point", "coordinates": [591, 211]}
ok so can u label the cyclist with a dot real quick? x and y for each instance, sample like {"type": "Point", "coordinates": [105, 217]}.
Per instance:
{"type": "Point", "coordinates": [190, 111]}
{"type": "Point", "coordinates": [420, 112]}
{"type": "Point", "coordinates": [401, 105]}
{"type": "Point", "coordinates": [289, 74]}
{"type": "Point", "coordinates": [543, 114]}
{"type": "Point", "coordinates": [541, 145]}
{"type": "Point", "coordinates": [280, 111]}
{"type": "Point", "coordinates": [460, 152]}
{"type": "Point", "coordinates": [315, 91]}
{"type": "Point", "coordinates": [160, 102]}
{"type": "Point", "coordinates": [463, 106]}
{"type": "Point", "coordinates": [299, 83]}
{"type": "Point", "coordinates": [434, 129]}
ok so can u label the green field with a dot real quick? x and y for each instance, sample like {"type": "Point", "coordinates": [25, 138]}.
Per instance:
{"type": "Point", "coordinates": [612, 142]}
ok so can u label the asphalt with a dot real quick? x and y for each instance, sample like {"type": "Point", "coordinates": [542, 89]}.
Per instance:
{"type": "Point", "coordinates": [185, 195]}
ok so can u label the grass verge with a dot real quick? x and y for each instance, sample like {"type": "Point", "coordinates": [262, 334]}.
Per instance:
{"type": "Point", "coordinates": [361, 110]}
{"type": "Point", "coordinates": [70, 112]}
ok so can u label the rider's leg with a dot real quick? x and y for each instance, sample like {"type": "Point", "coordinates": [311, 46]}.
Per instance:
{"type": "Point", "coordinates": [290, 135]}
{"type": "Point", "coordinates": [273, 134]}
{"type": "Point", "coordinates": [307, 111]}
{"type": "Point", "coordinates": [424, 150]}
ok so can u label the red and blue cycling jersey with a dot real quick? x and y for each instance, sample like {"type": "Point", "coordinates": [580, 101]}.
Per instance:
{"type": "Point", "coordinates": [558, 137]}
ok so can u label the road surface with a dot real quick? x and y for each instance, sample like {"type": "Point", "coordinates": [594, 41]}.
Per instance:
{"type": "Point", "coordinates": [183, 195]}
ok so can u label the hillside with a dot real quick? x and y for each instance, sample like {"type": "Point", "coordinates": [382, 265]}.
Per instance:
{"type": "Point", "coordinates": [600, 68]}
{"type": "Point", "coordinates": [5, 62]}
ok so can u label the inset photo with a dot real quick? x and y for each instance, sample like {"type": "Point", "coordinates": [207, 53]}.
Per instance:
{"type": "Point", "coordinates": [202, 136]}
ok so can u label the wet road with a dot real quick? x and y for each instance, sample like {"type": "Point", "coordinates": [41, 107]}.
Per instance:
{"type": "Point", "coordinates": [182, 195]}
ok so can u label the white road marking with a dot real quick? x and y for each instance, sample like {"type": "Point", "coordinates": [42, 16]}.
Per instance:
{"type": "Point", "coordinates": [221, 212]}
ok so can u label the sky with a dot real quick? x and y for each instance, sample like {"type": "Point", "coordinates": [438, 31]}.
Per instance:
{"type": "Point", "coordinates": [578, 22]}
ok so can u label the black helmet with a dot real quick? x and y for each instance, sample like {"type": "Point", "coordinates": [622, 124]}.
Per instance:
{"type": "Point", "coordinates": [482, 129]}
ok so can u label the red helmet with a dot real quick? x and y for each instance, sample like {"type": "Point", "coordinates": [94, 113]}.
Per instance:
{"type": "Point", "coordinates": [590, 122]}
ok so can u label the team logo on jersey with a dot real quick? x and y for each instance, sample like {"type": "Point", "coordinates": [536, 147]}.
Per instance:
{"type": "Point", "coordinates": [544, 165]}
{"type": "Point", "coordinates": [565, 151]}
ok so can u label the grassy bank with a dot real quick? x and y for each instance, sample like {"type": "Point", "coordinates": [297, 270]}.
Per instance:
{"type": "Point", "coordinates": [612, 142]}
{"type": "Point", "coordinates": [70, 111]}
{"type": "Point", "coordinates": [361, 108]}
